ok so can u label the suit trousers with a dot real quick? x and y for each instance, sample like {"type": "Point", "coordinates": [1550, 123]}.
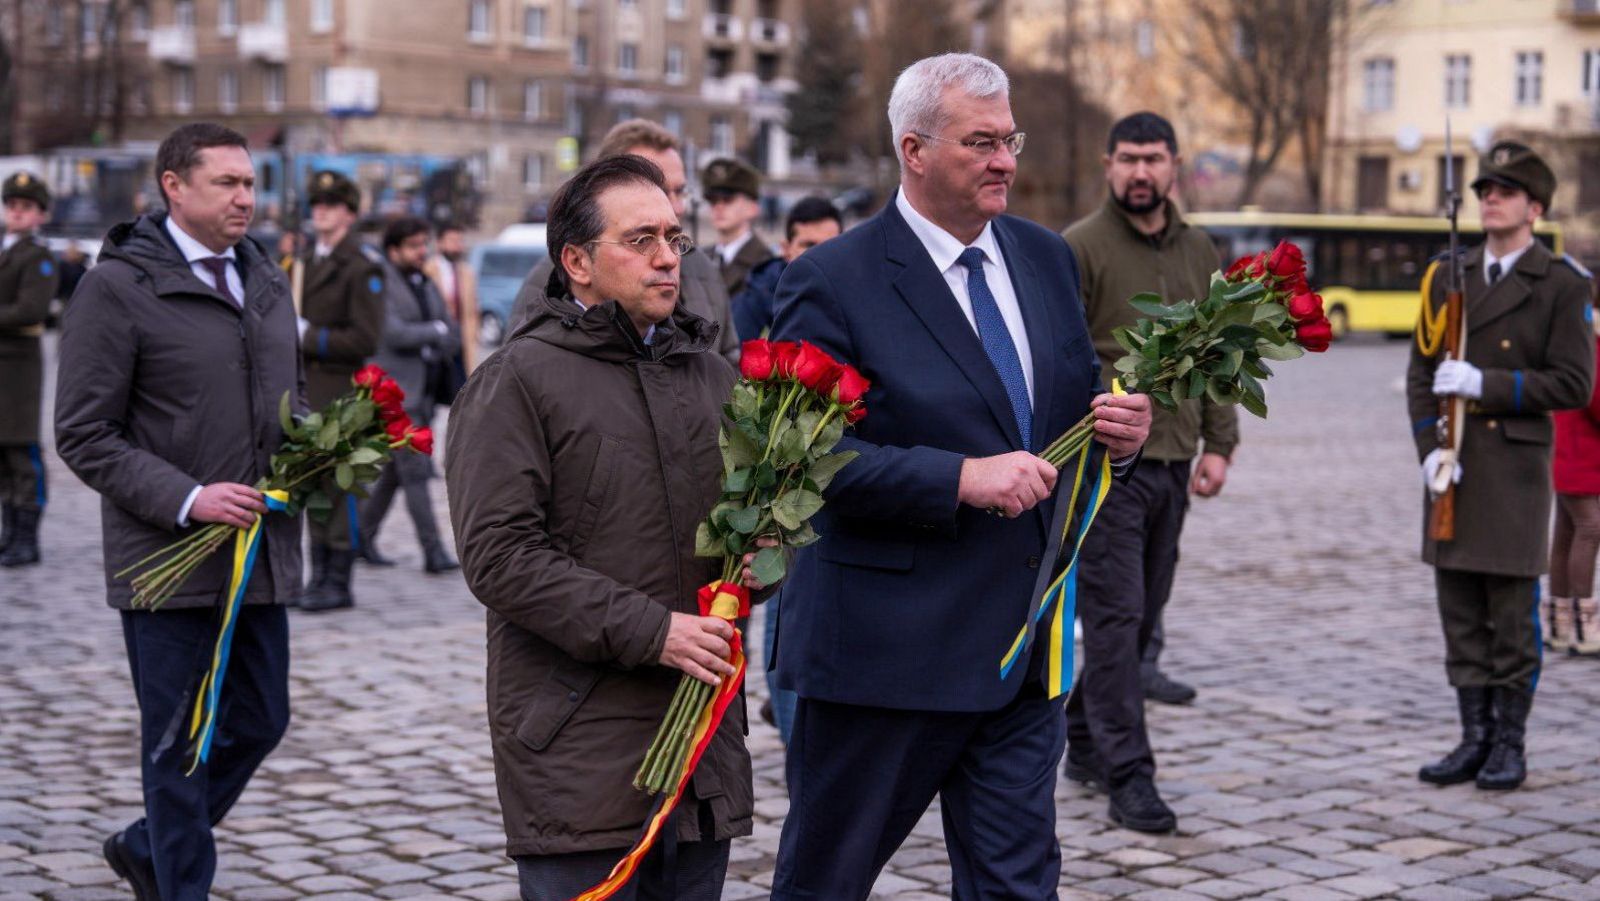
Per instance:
{"type": "Point", "coordinates": [22, 479]}
{"type": "Point", "coordinates": [672, 871]}
{"type": "Point", "coordinates": [1491, 629]}
{"type": "Point", "coordinates": [410, 472]}
{"type": "Point", "coordinates": [167, 650]}
{"type": "Point", "coordinates": [861, 777]}
{"type": "Point", "coordinates": [1125, 578]}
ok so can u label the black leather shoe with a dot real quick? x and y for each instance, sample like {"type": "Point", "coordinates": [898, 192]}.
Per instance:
{"type": "Point", "coordinates": [1088, 770]}
{"type": "Point", "coordinates": [767, 715]}
{"type": "Point", "coordinates": [1506, 767]}
{"type": "Point", "coordinates": [141, 879]}
{"type": "Point", "coordinates": [334, 592]}
{"type": "Point", "coordinates": [1462, 763]}
{"type": "Point", "coordinates": [1159, 688]}
{"type": "Point", "coordinates": [1137, 805]}
{"type": "Point", "coordinates": [370, 555]}
{"type": "Point", "coordinates": [436, 560]}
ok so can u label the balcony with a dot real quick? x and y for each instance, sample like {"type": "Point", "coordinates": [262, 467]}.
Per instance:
{"type": "Point", "coordinates": [264, 41]}
{"type": "Point", "coordinates": [775, 32]}
{"type": "Point", "coordinates": [172, 44]}
{"type": "Point", "coordinates": [722, 28]}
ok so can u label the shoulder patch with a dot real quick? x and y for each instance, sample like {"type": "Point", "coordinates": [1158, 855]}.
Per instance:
{"type": "Point", "coordinates": [375, 284]}
{"type": "Point", "coordinates": [1576, 266]}
{"type": "Point", "coordinates": [47, 268]}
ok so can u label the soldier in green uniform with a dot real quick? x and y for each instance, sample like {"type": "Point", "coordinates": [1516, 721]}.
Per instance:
{"type": "Point", "coordinates": [342, 313]}
{"type": "Point", "coordinates": [27, 282]}
{"type": "Point", "coordinates": [733, 191]}
{"type": "Point", "coordinates": [1529, 350]}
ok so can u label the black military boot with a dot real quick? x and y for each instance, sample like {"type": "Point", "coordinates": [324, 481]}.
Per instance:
{"type": "Point", "coordinates": [1462, 764]}
{"type": "Point", "coordinates": [370, 555]}
{"type": "Point", "coordinates": [23, 548]}
{"type": "Point", "coordinates": [1136, 805]}
{"type": "Point", "coordinates": [435, 559]}
{"type": "Point", "coordinates": [8, 525]}
{"type": "Point", "coordinates": [319, 574]}
{"type": "Point", "coordinates": [1507, 767]}
{"type": "Point", "coordinates": [334, 592]}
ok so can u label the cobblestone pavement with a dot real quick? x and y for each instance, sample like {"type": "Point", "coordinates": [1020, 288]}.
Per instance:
{"type": "Point", "coordinates": [1301, 614]}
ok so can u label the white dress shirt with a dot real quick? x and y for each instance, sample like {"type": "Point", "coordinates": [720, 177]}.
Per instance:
{"type": "Point", "coordinates": [946, 252]}
{"type": "Point", "coordinates": [10, 239]}
{"type": "Point", "coordinates": [194, 252]}
{"type": "Point", "coordinates": [731, 249]}
{"type": "Point", "coordinates": [1506, 262]}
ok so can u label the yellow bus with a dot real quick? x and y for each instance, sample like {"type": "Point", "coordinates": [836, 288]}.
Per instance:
{"type": "Point", "coordinates": [1367, 268]}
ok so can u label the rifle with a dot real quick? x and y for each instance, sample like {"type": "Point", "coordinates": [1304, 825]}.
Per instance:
{"type": "Point", "coordinates": [1442, 519]}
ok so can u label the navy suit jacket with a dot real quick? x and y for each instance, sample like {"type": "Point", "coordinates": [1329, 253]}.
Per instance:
{"type": "Point", "coordinates": [910, 599]}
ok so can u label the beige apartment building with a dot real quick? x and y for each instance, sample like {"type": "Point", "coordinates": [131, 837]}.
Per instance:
{"type": "Point", "coordinates": [518, 89]}
{"type": "Point", "coordinates": [1527, 70]}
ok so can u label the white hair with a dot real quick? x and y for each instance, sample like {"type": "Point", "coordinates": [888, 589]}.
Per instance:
{"type": "Point", "coordinates": [916, 103]}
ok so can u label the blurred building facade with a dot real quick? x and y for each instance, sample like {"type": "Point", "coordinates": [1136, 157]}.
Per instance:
{"type": "Point", "coordinates": [1528, 71]}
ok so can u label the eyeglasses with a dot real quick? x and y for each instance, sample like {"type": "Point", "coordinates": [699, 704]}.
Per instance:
{"type": "Point", "coordinates": [984, 147]}
{"type": "Point", "coordinates": [650, 245]}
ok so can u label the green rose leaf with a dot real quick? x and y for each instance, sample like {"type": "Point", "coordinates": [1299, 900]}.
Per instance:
{"type": "Point", "coordinates": [706, 542]}
{"type": "Point", "coordinates": [362, 456]}
{"type": "Point", "coordinates": [829, 439]}
{"type": "Point", "coordinates": [738, 481]}
{"type": "Point", "coordinates": [767, 566]}
{"type": "Point", "coordinates": [1149, 304]}
{"type": "Point", "coordinates": [344, 475]}
{"type": "Point", "coordinates": [328, 435]}
{"type": "Point", "coordinates": [286, 416]}
{"type": "Point", "coordinates": [1254, 404]}
{"type": "Point", "coordinates": [744, 520]}
{"type": "Point", "coordinates": [793, 508]}
{"type": "Point", "coordinates": [737, 449]}
{"type": "Point", "coordinates": [1287, 351]}
{"type": "Point", "coordinates": [823, 471]}
{"type": "Point", "coordinates": [802, 536]}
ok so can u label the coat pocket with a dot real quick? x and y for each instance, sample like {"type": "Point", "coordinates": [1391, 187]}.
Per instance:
{"type": "Point", "coordinates": [597, 495]}
{"type": "Point", "coordinates": [1527, 429]}
{"type": "Point", "coordinates": [563, 692]}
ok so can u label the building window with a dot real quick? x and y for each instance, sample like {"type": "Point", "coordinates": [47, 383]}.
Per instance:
{"type": "Point", "coordinates": [533, 101]}
{"type": "Point", "coordinates": [677, 9]}
{"type": "Point", "coordinates": [721, 135]}
{"type": "Point", "coordinates": [139, 23]}
{"type": "Point", "coordinates": [672, 121]}
{"type": "Point", "coordinates": [574, 115]}
{"type": "Point", "coordinates": [1530, 77]}
{"type": "Point", "coordinates": [272, 12]}
{"type": "Point", "coordinates": [183, 13]}
{"type": "Point", "coordinates": [89, 24]}
{"type": "Point", "coordinates": [55, 25]}
{"type": "Point", "coordinates": [272, 91]}
{"type": "Point", "coordinates": [1591, 72]}
{"type": "Point", "coordinates": [1144, 38]}
{"type": "Point", "coordinates": [1372, 183]}
{"type": "Point", "coordinates": [319, 87]}
{"type": "Point", "coordinates": [228, 91]}
{"type": "Point", "coordinates": [478, 95]}
{"type": "Point", "coordinates": [227, 17]}
{"type": "Point", "coordinates": [627, 58]}
{"type": "Point", "coordinates": [533, 19]}
{"type": "Point", "coordinates": [580, 52]}
{"type": "Point", "coordinates": [533, 171]}
{"type": "Point", "coordinates": [478, 13]}
{"type": "Point", "coordinates": [718, 63]}
{"type": "Point", "coordinates": [1378, 85]}
{"type": "Point", "coordinates": [766, 66]}
{"type": "Point", "coordinates": [674, 62]}
{"type": "Point", "coordinates": [1457, 81]}
{"type": "Point", "coordinates": [321, 15]}
{"type": "Point", "coordinates": [182, 90]}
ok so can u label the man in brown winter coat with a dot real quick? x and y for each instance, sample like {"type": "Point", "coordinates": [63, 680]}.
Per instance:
{"type": "Point", "coordinates": [581, 458]}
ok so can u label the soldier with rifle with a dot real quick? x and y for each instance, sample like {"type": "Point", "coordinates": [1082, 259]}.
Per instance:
{"type": "Point", "coordinates": [1504, 339]}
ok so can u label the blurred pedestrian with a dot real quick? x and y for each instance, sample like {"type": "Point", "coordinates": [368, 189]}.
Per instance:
{"type": "Point", "coordinates": [340, 281]}
{"type": "Point", "coordinates": [1529, 350]}
{"type": "Point", "coordinates": [1138, 241]}
{"type": "Point", "coordinates": [733, 194]}
{"type": "Point", "coordinates": [419, 339]}
{"type": "Point", "coordinates": [27, 284]}
{"type": "Point", "coordinates": [175, 355]}
{"type": "Point", "coordinates": [459, 287]}
{"type": "Point", "coordinates": [700, 288]}
{"type": "Point", "coordinates": [1571, 615]}
{"type": "Point", "coordinates": [811, 221]}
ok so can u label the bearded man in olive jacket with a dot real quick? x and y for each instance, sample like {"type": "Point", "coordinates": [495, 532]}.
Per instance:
{"type": "Point", "coordinates": [581, 458]}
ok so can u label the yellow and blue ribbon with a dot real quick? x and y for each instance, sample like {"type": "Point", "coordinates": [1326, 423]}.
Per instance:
{"type": "Point", "coordinates": [208, 698]}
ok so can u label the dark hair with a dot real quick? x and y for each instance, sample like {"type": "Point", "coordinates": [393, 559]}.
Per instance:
{"type": "Point", "coordinates": [400, 228]}
{"type": "Point", "coordinates": [575, 209]}
{"type": "Point", "coordinates": [808, 210]}
{"type": "Point", "coordinates": [449, 225]}
{"type": "Point", "coordinates": [1142, 128]}
{"type": "Point", "coordinates": [180, 152]}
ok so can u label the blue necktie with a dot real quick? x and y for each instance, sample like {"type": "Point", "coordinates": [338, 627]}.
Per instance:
{"type": "Point", "coordinates": [997, 343]}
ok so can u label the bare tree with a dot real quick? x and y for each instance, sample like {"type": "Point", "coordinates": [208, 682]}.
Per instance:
{"type": "Point", "coordinates": [822, 110]}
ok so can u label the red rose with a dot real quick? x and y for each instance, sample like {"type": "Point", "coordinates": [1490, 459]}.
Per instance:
{"type": "Point", "coordinates": [814, 369]}
{"type": "Point", "coordinates": [784, 354]}
{"type": "Point", "coordinates": [756, 359]}
{"type": "Point", "coordinates": [1314, 336]}
{"type": "Point", "coordinates": [1286, 262]}
{"type": "Point", "coordinates": [1245, 268]}
{"type": "Point", "coordinates": [1305, 308]}
{"type": "Point", "coordinates": [850, 387]}
{"type": "Point", "coordinates": [855, 415]}
{"type": "Point", "coordinates": [397, 428]}
{"type": "Point", "coordinates": [369, 376]}
{"type": "Point", "coordinates": [421, 440]}
{"type": "Point", "coordinates": [390, 410]}
{"type": "Point", "coordinates": [387, 390]}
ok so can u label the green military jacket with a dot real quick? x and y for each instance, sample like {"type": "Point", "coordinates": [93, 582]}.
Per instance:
{"type": "Point", "coordinates": [737, 271]}
{"type": "Point", "coordinates": [1530, 334]}
{"type": "Point", "coordinates": [1117, 261]}
{"type": "Point", "coordinates": [28, 278]}
{"type": "Point", "coordinates": [343, 302]}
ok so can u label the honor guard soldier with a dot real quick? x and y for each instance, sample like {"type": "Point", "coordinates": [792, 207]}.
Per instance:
{"type": "Point", "coordinates": [1528, 350]}
{"type": "Point", "coordinates": [340, 292]}
{"type": "Point", "coordinates": [27, 282]}
{"type": "Point", "coordinates": [733, 191]}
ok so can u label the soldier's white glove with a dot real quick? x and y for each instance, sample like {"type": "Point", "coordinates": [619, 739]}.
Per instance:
{"type": "Point", "coordinates": [1459, 378]}
{"type": "Point", "coordinates": [1431, 465]}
